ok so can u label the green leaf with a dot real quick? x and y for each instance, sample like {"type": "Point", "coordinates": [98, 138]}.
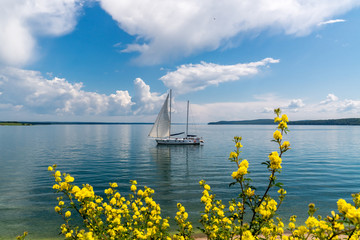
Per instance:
{"type": "Point", "coordinates": [231, 184]}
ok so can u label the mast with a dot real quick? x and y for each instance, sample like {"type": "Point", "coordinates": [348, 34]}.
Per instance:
{"type": "Point", "coordinates": [170, 113]}
{"type": "Point", "coordinates": [187, 119]}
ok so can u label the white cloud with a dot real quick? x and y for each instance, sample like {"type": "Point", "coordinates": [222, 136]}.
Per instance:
{"type": "Point", "coordinates": [295, 104]}
{"type": "Point", "coordinates": [146, 102]}
{"type": "Point", "coordinates": [29, 91]}
{"type": "Point", "coordinates": [263, 108]}
{"type": "Point", "coordinates": [163, 29]}
{"type": "Point", "coordinates": [331, 22]}
{"type": "Point", "coordinates": [352, 106]}
{"type": "Point", "coordinates": [195, 77]}
{"type": "Point", "coordinates": [57, 96]}
{"type": "Point", "coordinates": [21, 21]}
{"type": "Point", "coordinates": [171, 29]}
{"type": "Point", "coordinates": [330, 98]}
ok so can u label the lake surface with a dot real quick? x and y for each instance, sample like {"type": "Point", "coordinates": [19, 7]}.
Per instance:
{"type": "Point", "coordinates": [322, 166]}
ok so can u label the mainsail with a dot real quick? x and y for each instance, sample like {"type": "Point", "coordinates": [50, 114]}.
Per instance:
{"type": "Point", "coordinates": [161, 126]}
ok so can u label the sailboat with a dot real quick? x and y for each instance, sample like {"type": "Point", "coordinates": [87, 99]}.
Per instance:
{"type": "Point", "coordinates": [161, 129]}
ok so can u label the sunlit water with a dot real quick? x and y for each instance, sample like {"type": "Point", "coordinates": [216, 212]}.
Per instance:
{"type": "Point", "coordinates": [322, 166]}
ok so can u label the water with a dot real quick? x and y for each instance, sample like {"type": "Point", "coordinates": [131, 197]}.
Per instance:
{"type": "Point", "coordinates": [322, 166]}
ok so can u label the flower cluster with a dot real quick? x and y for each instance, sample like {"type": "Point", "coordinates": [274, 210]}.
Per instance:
{"type": "Point", "coordinates": [216, 224]}
{"type": "Point", "coordinates": [242, 170]}
{"type": "Point", "coordinates": [267, 208]}
{"type": "Point", "coordinates": [185, 230]}
{"type": "Point", "coordinates": [138, 217]}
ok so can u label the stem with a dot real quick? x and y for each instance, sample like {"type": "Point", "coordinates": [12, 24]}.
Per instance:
{"type": "Point", "coordinates": [263, 197]}
{"type": "Point", "coordinates": [243, 212]}
{"type": "Point", "coordinates": [352, 233]}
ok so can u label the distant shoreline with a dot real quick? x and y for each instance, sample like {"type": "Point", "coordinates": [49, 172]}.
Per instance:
{"type": "Point", "coordinates": [343, 121]}
{"type": "Point", "coordinates": [16, 123]}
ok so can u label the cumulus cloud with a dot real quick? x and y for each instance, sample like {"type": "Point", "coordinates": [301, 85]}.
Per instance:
{"type": "Point", "coordinates": [171, 29]}
{"type": "Point", "coordinates": [330, 98]}
{"type": "Point", "coordinates": [24, 90]}
{"type": "Point", "coordinates": [195, 77]}
{"type": "Point", "coordinates": [145, 101]}
{"type": "Point", "coordinates": [163, 29]}
{"type": "Point", "coordinates": [295, 104]}
{"type": "Point", "coordinates": [29, 92]}
{"type": "Point", "coordinates": [333, 107]}
{"type": "Point", "coordinates": [349, 106]}
{"type": "Point", "coordinates": [21, 21]}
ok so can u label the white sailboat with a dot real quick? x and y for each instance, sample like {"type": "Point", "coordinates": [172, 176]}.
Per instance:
{"type": "Point", "coordinates": [162, 126]}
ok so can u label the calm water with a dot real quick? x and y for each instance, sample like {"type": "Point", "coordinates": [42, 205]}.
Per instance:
{"type": "Point", "coordinates": [322, 166]}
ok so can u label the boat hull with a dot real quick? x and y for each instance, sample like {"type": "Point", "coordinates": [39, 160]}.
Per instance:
{"type": "Point", "coordinates": [179, 141]}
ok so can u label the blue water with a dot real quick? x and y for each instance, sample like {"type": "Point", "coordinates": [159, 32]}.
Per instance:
{"type": "Point", "coordinates": [322, 166]}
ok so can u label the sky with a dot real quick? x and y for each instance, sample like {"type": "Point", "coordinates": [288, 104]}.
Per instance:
{"type": "Point", "coordinates": [115, 61]}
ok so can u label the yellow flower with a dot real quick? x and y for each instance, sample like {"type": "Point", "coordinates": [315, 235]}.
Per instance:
{"type": "Point", "coordinates": [285, 145]}
{"type": "Point", "coordinates": [133, 188]}
{"type": "Point", "coordinates": [238, 145]}
{"type": "Point", "coordinates": [50, 168]}
{"type": "Point", "coordinates": [282, 125]}
{"type": "Point", "coordinates": [68, 214]}
{"type": "Point", "coordinates": [242, 170]}
{"type": "Point", "coordinates": [343, 206]}
{"type": "Point", "coordinates": [57, 209]}
{"type": "Point", "coordinates": [233, 155]}
{"type": "Point", "coordinates": [250, 192]}
{"type": "Point", "coordinates": [275, 161]}
{"type": "Point", "coordinates": [303, 230]}
{"type": "Point", "coordinates": [282, 191]}
{"type": "Point", "coordinates": [244, 163]}
{"type": "Point", "coordinates": [69, 179]}
{"type": "Point", "coordinates": [113, 201]}
{"type": "Point", "coordinates": [57, 174]}
{"type": "Point", "coordinates": [284, 118]}
{"type": "Point", "coordinates": [207, 187]}
{"type": "Point", "coordinates": [277, 135]}
{"type": "Point", "coordinates": [311, 222]}
{"type": "Point", "coordinates": [248, 235]}
{"type": "Point", "coordinates": [75, 189]}
{"type": "Point", "coordinates": [293, 218]}
{"type": "Point", "coordinates": [277, 119]}
{"type": "Point", "coordinates": [64, 186]}
{"type": "Point", "coordinates": [291, 225]}
{"type": "Point", "coordinates": [113, 185]}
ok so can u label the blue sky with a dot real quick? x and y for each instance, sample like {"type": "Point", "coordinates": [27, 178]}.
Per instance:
{"type": "Point", "coordinates": [109, 60]}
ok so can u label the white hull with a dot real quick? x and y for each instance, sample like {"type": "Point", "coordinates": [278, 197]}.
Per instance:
{"type": "Point", "coordinates": [179, 141]}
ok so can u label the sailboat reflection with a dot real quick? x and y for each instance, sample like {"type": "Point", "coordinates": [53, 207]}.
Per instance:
{"type": "Point", "coordinates": [175, 160]}
{"type": "Point", "coordinates": [177, 176]}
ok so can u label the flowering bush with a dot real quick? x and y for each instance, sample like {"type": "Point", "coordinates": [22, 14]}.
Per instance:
{"type": "Point", "coordinates": [249, 216]}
